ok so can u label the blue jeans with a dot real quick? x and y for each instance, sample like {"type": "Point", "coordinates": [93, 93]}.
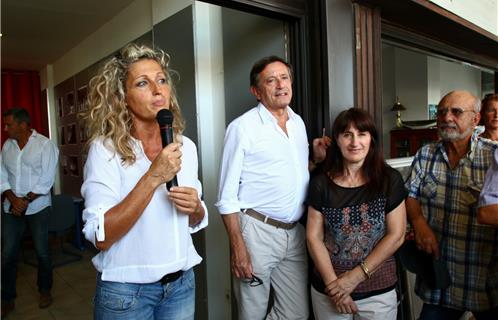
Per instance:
{"type": "Point", "coordinates": [12, 236]}
{"type": "Point", "coordinates": [130, 301]}
{"type": "Point", "coordinates": [435, 312]}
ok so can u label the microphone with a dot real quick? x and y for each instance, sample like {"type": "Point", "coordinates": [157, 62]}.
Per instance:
{"type": "Point", "coordinates": [165, 120]}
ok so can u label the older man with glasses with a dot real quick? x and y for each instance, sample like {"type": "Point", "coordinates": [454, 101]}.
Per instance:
{"type": "Point", "coordinates": [443, 190]}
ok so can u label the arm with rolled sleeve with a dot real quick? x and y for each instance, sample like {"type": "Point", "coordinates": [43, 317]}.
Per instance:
{"type": "Point", "coordinates": [100, 190]}
{"type": "Point", "coordinates": [488, 199]}
{"type": "Point", "coordinates": [228, 202]}
{"type": "Point", "coordinates": [424, 235]}
{"type": "Point", "coordinates": [231, 169]}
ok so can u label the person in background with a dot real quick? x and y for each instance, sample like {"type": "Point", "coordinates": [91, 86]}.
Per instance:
{"type": "Point", "coordinates": [488, 199]}
{"type": "Point", "coordinates": [356, 221]}
{"type": "Point", "coordinates": [263, 182]}
{"type": "Point", "coordinates": [443, 189]}
{"type": "Point", "coordinates": [146, 258]}
{"type": "Point", "coordinates": [28, 161]}
{"type": "Point", "coordinates": [489, 117]}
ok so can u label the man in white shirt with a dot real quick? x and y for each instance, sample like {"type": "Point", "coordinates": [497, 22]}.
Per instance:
{"type": "Point", "coordinates": [263, 184]}
{"type": "Point", "coordinates": [28, 161]}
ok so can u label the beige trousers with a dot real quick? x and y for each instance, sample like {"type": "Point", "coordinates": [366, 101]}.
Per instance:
{"type": "Point", "coordinates": [279, 259]}
{"type": "Point", "coordinates": [380, 307]}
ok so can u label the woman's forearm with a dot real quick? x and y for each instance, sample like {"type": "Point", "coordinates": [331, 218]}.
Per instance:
{"type": "Point", "coordinates": [120, 219]}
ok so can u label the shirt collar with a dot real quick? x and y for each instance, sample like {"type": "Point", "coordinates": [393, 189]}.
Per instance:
{"type": "Point", "coordinates": [470, 154]}
{"type": "Point", "coordinates": [267, 117]}
{"type": "Point", "coordinates": [33, 134]}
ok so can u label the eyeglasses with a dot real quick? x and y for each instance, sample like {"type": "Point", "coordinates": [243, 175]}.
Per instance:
{"type": "Point", "coordinates": [457, 112]}
{"type": "Point", "coordinates": [254, 282]}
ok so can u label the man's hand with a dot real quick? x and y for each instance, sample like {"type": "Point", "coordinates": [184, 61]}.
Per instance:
{"type": "Point", "coordinates": [320, 146]}
{"type": "Point", "coordinates": [18, 205]}
{"type": "Point", "coordinates": [240, 261]}
{"type": "Point", "coordinates": [425, 238]}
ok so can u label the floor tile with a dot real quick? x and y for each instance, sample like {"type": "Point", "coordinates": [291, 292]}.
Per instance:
{"type": "Point", "coordinates": [73, 290]}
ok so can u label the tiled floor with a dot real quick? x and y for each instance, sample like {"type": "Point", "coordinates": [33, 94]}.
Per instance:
{"type": "Point", "coordinates": [73, 290]}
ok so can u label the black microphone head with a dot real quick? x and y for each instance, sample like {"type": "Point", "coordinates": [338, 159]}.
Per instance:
{"type": "Point", "coordinates": [164, 117]}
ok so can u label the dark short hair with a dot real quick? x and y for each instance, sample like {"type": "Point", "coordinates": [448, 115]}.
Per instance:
{"type": "Point", "coordinates": [19, 114]}
{"type": "Point", "coordinates": [261, 64]}
{"type": "Point", "coordinates": [374, 167]}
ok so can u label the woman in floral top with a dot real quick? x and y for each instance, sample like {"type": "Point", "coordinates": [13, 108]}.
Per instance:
{"type": "Point", "coordinates": [356, 221]}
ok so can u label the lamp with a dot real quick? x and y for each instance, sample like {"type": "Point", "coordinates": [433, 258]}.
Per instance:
{"type": "Point", "coordinates": [398, 107]}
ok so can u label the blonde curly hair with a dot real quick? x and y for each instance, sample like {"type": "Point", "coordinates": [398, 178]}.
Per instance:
{"type": "Point", "coordinates": [108, 116]}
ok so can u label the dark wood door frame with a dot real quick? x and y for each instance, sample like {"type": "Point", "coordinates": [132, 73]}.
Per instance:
{"type": "Point", "coordinates": [368, 68]}
{"type": "Point", "coordinates": [305, 52]}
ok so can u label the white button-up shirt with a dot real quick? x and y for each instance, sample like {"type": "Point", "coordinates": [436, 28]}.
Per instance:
{"type": "Point", "coordinates": [159, 242]}
{"type": "Point", "coordinates": [31, 169]}
{"type": "Point", "coordinates": [263, 168]}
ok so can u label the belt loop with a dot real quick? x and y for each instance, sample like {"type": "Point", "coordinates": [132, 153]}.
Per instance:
{"type": "Point", "coordinates": [243, 210]}
{"type": "Point", "coordinates": [266, 219]}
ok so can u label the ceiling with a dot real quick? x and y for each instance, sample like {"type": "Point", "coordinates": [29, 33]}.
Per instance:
{"type": "Point", "coordinates": [38, 32]}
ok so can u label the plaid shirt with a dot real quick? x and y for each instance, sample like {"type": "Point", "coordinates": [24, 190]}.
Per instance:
{"type": "Point", "coordinates": [448, 198]}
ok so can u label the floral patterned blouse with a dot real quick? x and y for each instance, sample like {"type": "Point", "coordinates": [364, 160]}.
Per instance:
{"type": "Point", "coordinates": [355, 221]}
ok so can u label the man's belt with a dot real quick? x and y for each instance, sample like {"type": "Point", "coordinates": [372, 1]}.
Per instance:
{"type": "Point", "coordinates": [170, 277]}
{"type": "Point", "coordinates": [268, 220]}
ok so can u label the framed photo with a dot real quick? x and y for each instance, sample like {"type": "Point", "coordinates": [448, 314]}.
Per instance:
{"type": "Point", "coordinates": [81, 98]}
{"type": "Point", "coordinates": [432, 111]}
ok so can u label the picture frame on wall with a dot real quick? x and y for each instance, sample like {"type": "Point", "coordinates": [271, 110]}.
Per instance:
{"type": "Point", "coordinates": [69, 108]}
{"type": "Point", "coordinates": [432, 110]}
{"type": "Point", "coordinates": [81, 98]}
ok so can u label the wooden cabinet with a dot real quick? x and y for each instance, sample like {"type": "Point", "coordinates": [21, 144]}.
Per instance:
{"type": "Point", "coordinates": [406, 142]}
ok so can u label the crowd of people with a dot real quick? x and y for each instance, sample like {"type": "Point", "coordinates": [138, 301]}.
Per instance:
{"type": "Point", "coordinates": [313, 229]}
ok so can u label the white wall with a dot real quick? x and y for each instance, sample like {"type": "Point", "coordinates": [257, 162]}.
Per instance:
{"type": "Point", "coordinates": [162, 9]}
{"type": "Point", "coordinates": [132, 22]}
{"type": "Point", "coordinates": [433, 80]}
{"type": "Point", "coordinates": [410, 82]}
{"type": "Point", "coordinates": [210, 93]}
{"type": "Point", "coordinates": [483, 13]}
{"type": "Point", "coordinates": [129, 24]}
{"type": "Point", "coordinates": [459, 76]}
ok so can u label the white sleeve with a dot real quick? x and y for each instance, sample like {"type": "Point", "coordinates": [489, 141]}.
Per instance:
{"type": "Point", "coordinates": [190, 161]}
{"type": "Point", "coordinates": [49, 158]}
{"type": "Point", "coordinates": [100, 189]}
{"type": "Point", "coordinates": [231, 169]}
{"type": "Point", "coordinates": [4, 182]}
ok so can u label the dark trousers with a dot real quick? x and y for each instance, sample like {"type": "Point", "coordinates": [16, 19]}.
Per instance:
{"type": "Point", "coordinates": [12, 235]}
{"type": "Point", "coordinates": [435, 312]}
